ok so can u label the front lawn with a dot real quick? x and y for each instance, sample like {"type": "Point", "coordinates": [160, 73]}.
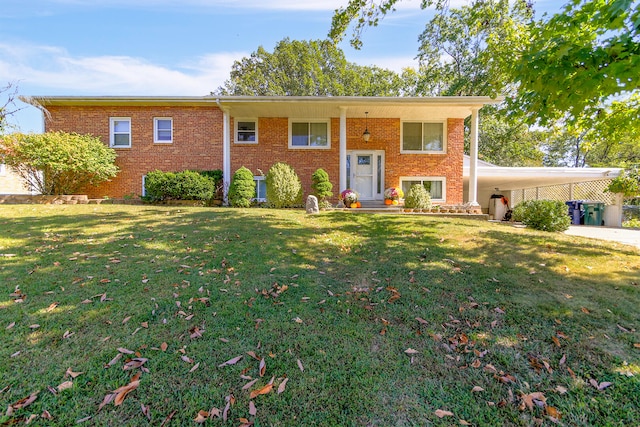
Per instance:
{"type": "Point", "coordinates": [136, 315]}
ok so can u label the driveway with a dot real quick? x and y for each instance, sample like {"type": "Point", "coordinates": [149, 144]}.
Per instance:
{"type": "Point", "coordinates": [623, 235]}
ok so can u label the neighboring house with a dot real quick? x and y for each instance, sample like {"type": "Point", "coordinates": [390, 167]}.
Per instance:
{"type": "Point", "coordinates": [11, 183]}
{"type": "Point", "coordinates": [412, 140]}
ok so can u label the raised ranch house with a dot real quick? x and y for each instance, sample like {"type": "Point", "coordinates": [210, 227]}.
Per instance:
{"type": "Point", "coordinates": [412, 140]}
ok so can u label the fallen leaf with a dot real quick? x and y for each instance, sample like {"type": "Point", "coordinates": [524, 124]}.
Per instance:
{"type": "Point", "coordinates": [122, 392]}
{"type": "Point", "coordinates": [164, 346]}
{"type": "Point", "coordinates": [529, 401]}
{"type": "Point", "coordinates": [562, 390]}
{"type": "Point", "coordinates": [556, 341]}
{"type": "Point", "coordinates": [499, 310]}
{"type": "Point", "coordinates": [263, 367]}
{"type": "Point", "coordinates": [464, 422]}
{"type": "Point", "coordinates": [252, 409]}
{"type": "Point", "coordinates": [282, 385]}
{"type": "Point", "coordinates": [65, 385]}
{"type": "Point", "coordinates": [253, 354]}
{"type": "Point", "coordinates": [186, 359]}
{"type": "Point", "coordinates": [442, 413]}
{"type": "Point", "coordinates": [422, 321]}
{"type": "Point", "coordinates": [194, 367]}
{"type": "Point", "coordinates": [250, 384]}
{"type": "Point", "coordinates": [24, 402]}
{"type": "Point", "coordinates": [166, 420]}
{"type": "Point", "coordinates": [300, 365]}
{"type": "Point", "coordinates": [214, 412]}
{"type": "Point", "coordinates": [552, 412]}
{"type": "Point", "coordinates": [126, 319]}
{"type": "Point", "coordinates": [46, 415]}
{"type": "Point", "coordinates": [600, 386]}
{"type": "Point", "coordinates": [146, 411]}
{"type": "Point", "coordinates": [585, 310]}
{"type": "Point", "coordinates": [125, 351]}
{"type": "Point", "coordinates": [11, 325]}
{"type": "Point", "coordinates": [264, 390]}
{"type": "Point", "coordinates": [411, 351]}
{"type": "Point", "coordinates": [230, 362]}
{"type": "Point", "coordinates": [636, 344]}
{"type": "Point", "coordinates": [134, 363]}
{"type": "Point", "coordinates": [201, 417]}
{"type": "Point", "coordinates": [70, 373]}
{"type": "Point", "coordinates": [477, 389]}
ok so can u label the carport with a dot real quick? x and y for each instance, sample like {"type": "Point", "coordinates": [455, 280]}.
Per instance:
{"type": "Point", "coordinates": [530, 183]}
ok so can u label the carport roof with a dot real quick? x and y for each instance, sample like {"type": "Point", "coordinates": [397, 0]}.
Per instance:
{"type": "Point", "coordinates": [491, 176]}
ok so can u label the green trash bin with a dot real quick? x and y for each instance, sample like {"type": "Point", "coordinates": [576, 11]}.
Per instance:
{"type": "Point", "coordinates": [593, 212]}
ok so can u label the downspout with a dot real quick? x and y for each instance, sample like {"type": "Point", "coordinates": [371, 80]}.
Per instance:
{"type": "Point", "coordinates": [226, 151]}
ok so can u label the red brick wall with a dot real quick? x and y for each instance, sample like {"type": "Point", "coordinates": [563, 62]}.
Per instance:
{"type": "Point", "coordinates": [197, 141]}
{"type": "Point", "coordinates": [198, 145]}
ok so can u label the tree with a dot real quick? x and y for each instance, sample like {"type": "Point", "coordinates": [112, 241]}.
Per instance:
{"type": "Point", "coordinates": [321, 186]}
{"type": "Point", "coordinates": [8, 108]}
{"type": "Point", "coordinates": [576, 61]}
{"type": "Point", "coordinates": [453, 54]}
{"type": "Point", "coordinates": [57, 162]}
{"type": "Point", "coordinates": [307, 68]}
{"type": "Point", "coordinates": [284, 189]}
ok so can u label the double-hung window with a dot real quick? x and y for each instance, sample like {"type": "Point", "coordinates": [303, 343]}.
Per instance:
{"type": "Point", "coordinates": [309, 134]}
{"type": "Point", "coordinates": [423, 137]}
{"type": "Point", "coordinates": [120, 132]}
{"type": "Point", "coordinates": [435, 186]}
{"type": "Point", "coordinates": [163, 130]}
{"type": "Point", "coordinates": [246, 131]}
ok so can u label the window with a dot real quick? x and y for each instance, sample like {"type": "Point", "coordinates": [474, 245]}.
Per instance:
{"type": "Point", "coordinates": [246, 131]}
{"type": "Point", "coordinates": [163, 130]}
{"type": "Point", "coordinates": [309, 134]}
{"type": "Point", "coordinates": [435, 186]}
{"type": "Point", "coordinates": [120, 132]}
{"type": "Point", "coordinates": [423, 137]}
{"type": "Point", "coordinates": [3, 169]}
{"type": "Point", "coordinates": [261, 188]}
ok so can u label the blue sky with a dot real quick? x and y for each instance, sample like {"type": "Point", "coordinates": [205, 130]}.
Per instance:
{"type": "Point", "coordinates": [172, 47]}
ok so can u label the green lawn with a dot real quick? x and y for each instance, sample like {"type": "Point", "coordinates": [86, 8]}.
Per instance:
{"type": "Point", "coordinates": [354, 319]}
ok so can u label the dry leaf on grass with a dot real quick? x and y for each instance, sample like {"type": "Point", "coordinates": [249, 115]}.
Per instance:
{"type": "Point", "coordinates": [201, 417]}
{"type": "Point", "coordinates": [477, 389]}
{"type": "Point", "coordinates": [600, 386]}
{"type": "Point", "coordinates": [250, 384]}
{"type": "Point", "coordinates": [531, 400]}
{"type": "Point", "coordinates": [264, 390]}
{"type": "Point", "coordinates": [230, 362]}
{"type": "Point", "coordinates": [252, 409]}
{"type": "Point", "coordinates": [411, 351]}
{"type": "Point", "coordinates": [300, 365]}
{"type": "Point", "coordinates": [65, 385]}
{"type": "Point", "coordinates": [440, 413]}
{"type": "Point", "coordinates": [70, 373]}
{"type": "Point", "coordinates": [263, 367]}
{"type": "Point", "coordinates": [282, 385]}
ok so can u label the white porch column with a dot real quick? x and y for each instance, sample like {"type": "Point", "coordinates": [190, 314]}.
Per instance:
{"type": "Point", "coordinates": [343, 148]}
{"type": "Point", "coordinates": [226, 153]}
{"type": "Point", "coordinates": [473, 159]}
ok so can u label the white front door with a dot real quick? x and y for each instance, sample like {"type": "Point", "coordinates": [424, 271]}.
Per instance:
{"type": "Point", "coordinates": [365, 173]}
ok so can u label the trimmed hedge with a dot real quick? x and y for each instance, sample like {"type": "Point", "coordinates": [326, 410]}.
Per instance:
{"type": "Point", "coordinates": [185, 185]}
{"type": "Point", "coordinates": [284, 189]}
{"type": "Point", "coordinates": [242, 188]}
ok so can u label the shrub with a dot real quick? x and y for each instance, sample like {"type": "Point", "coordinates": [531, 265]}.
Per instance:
{"type": "Point", "coordinates": [545, 215]}
{"type": "Point", "coordinates": [186, 185]}
{"type": "Point", "coordinates": [217, 176]}
{"type": "Point", "coordinates": [58, 162]}
{"type": "Point", "coordinates": [321, 185]}
{"type": "Point", "coordinates": [242, 188]}
{"type": "Point", "coordinates": [284, 189]}
{"type": "Point", "coordinates": [417, 198]}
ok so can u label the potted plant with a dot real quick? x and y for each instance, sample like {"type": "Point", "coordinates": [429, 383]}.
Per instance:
{"type": "Point", "coordinates": [392, 195]}
{"type": "Point", "coordinates": [350, 198]}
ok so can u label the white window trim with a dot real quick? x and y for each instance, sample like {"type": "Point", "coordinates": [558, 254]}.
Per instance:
{"type": "Point", "coordinates": [155, 130]}
{"type": "Point", "coordinates": [444, 137]}
{"type": "Point", "coordinates": [144, 186]}
{"type": "Point", "coordinates": [312, 147]}
{"type": "Point", "coordinates": [112, 134]}
{"type": "Point", "coordinates": [259, 178]}
{"type": "Point", "coordinates": [235, 134]}
{"type": "Point", "coordinates": [429, 178]}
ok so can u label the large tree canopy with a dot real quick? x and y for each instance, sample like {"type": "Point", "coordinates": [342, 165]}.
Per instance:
{"type": "Point", "coordinates": [575, 61]}
{"type": "Point", "coordinates": [307, 68]}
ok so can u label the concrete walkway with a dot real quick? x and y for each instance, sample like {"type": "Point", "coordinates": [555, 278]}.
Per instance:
{"type": "Point", "coordinates": [622, 235]}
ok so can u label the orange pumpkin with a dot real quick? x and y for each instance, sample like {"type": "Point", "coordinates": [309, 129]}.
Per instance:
{"type": "Point", "coordinates": [387, 201]}
{"type": "Point", "coordinates": [358, 205]}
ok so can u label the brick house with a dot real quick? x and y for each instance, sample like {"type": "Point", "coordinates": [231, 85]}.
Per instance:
{"type": "Point", "coordinates": [411, 139]}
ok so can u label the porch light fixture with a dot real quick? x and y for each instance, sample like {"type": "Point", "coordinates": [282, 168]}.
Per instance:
{"type": "Point", "coordinates": [366, 135]}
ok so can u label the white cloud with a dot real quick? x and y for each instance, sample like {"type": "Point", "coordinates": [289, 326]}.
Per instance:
{"type": "Point", "coordinates": [54, 70]}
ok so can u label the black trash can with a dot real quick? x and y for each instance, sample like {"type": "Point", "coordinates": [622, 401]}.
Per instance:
{"type": "Point", "coordinates": [575, 211]}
